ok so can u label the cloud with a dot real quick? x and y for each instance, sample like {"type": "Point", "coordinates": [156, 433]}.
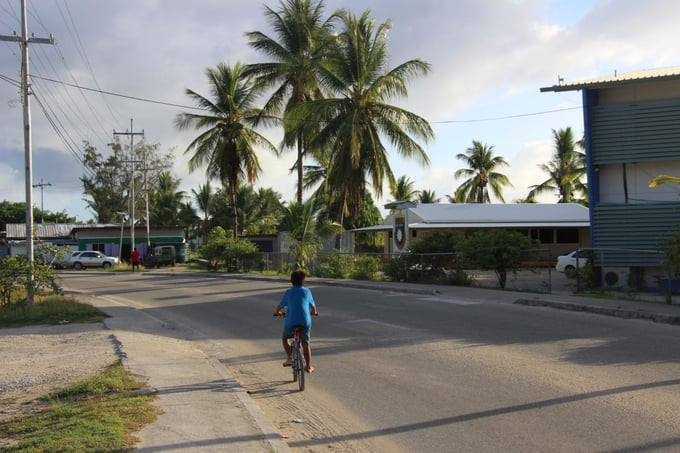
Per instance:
{"type": "Point", "coordinates": [488, 59]}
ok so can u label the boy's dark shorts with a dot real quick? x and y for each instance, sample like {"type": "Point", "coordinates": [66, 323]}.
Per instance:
{"type": "Point", "coordinates": [305, 334]}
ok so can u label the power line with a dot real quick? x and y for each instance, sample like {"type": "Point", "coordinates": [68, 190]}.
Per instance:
{"type": "Point", "coordinates": [507, 117]}
{"type": "Point", "coordinates": [474, 120]}
{"type": "Point", "coordinates": [110, 93]}
{"type": "Point", "coordinates": [83, 53]}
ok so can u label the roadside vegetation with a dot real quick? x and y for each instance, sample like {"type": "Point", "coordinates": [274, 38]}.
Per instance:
{"type": "Point", "coordinates": [48, 309]}
{"type": "Point", "coordinates": [96, 414]}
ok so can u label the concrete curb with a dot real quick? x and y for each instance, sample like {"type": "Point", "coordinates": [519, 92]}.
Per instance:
{"type": "Point", "coordinates": [608, 311]}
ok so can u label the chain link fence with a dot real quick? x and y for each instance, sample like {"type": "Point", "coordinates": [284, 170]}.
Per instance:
{"type": "Point", "coordinates": [599, 269]}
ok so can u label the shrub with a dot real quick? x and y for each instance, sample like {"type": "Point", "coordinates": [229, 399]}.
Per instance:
{"type": "Point", "coordinates": [500, 250]}
{"type": "Point", "coordinates": [338, 265]}
{"type": "Point", "coordinates": [396, 269]}
{"type": "Point", "coordinates": [13, 278]}
{"type": "Point", "coordinates": [365, 268]}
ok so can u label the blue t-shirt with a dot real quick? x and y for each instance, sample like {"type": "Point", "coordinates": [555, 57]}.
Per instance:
{"type": "Point", "coordinates": [298, 300]}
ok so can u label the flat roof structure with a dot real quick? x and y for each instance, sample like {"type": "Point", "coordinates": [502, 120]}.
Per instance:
{"type": "Point", "coordinates": [634, 77]}
{"type": "Point", "coordinates": [484, 215]}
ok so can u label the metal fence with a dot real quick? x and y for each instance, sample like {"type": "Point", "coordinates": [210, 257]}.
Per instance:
{"type": "Point", "coordinates": [536, 274]}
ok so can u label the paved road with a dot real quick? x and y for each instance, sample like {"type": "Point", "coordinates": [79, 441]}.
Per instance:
{"type": "Point", "coordinates": [410, 372]}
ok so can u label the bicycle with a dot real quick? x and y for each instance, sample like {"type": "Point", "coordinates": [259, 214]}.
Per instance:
{"type": "Point", "coordinates": [298, 357]}
{"type": "Point", "coordinates": [299, 364]}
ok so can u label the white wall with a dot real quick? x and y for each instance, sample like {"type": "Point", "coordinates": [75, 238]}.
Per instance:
{"type": "Point", "coordinates": [638, 176]}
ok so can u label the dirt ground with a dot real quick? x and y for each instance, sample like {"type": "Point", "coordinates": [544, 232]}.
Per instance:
{"type": "Point", "coordinates": [37, 360]}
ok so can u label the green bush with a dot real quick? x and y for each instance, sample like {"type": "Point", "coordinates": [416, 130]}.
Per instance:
{"type": "Point", "coordinates": [396, 269]}
{"type": "Point", "coordinates": [225, 251]}
{"type": "Point", "coordinates": [14, 281]}
{"type": "Point", "coordinates": [365, 268]}
{"type": "Point", "coordinates": [338, 265]}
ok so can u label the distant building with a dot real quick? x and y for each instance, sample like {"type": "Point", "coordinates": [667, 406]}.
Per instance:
{"type": "Point", "coordinates": [632, 134]}
{"type": "Point", "coordinates": [560, 228]}
{"type": "Point", "coordinates": [105, 238]}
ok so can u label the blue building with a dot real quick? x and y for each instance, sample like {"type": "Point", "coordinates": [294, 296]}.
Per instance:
{"type": "Point", "coordinates": [632, 134]}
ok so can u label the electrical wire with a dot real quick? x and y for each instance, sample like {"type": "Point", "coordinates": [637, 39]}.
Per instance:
{"type": "Point", "coordinates": [73, 30]}
{"type": "Point", "coordinates": [62, 135]}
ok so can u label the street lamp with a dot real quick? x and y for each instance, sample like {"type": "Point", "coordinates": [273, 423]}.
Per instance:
{"type": "Point", "coordinates": [123, 217]}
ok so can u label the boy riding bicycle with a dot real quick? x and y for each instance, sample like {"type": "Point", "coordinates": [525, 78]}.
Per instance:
{"type": "Point", "coordinates": [300, 307]}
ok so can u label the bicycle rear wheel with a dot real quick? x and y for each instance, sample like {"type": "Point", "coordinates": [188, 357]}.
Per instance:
{"type": "Point", "coordinates": [301, 368]}
{"type": "Point", "coordinates": [295, 356]}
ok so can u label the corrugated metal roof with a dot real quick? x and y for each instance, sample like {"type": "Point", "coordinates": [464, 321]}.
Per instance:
{"type": "Point", "coordinates": [43, 231]}
{"type": "Point", "coordinates": [501, 214]}
{"type": "Point", "coordinates": [482, 215]}
{"type": "Point", "coordinates": [646, 75]}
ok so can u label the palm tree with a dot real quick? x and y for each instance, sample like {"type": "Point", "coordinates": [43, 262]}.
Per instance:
{"type": "Point", "coordinates": [354, 123]}
{"type": "Point", "coordinates": [302, 39]}
{"type": "Point", "coordinates": [260, 211]}
{"type": "Point", "coordinates": [305, 225]}
{"type": "Point", "coordinates": [226, 145]}
{"type": "Point", "coordinates": [403, 190]}
{"type": "Point", "coordinates": [203, 198]}
{"type": "Point", "coordinates": [427, 196]}
{"type": "Point", "coordinates": [566, 169]}
{"type": "Point", "coordinates": [481, 174]}
{"type": "Point", "coordinates": [165, 200]}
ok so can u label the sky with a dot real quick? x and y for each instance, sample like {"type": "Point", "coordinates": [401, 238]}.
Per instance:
{"type": "Point", "coordinates": [489, 59]}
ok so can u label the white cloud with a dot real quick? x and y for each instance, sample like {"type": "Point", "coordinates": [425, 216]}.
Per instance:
{"type": "Point", "coordinates": [488, 60]}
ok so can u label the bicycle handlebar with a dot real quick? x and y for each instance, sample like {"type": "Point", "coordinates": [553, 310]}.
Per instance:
{"type": "Point", "coordinates": [283, 314]}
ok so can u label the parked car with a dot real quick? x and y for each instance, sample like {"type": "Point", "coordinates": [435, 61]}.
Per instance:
{"type": "Point", "coordinates": [567, 263]}
{"type": "Point", "coordinates": [162, 255]}
{"type": "Point", "coordinates": [81, 259]}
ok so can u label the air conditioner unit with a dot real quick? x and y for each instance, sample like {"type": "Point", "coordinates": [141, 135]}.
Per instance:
{"type": "Point", "coordinates": [615, 277]}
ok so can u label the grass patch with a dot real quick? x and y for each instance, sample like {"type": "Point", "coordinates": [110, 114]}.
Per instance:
{"type": "Point", "coordinates": [96, 414]}
{"type": "Point", "coordinates": [53, 309]}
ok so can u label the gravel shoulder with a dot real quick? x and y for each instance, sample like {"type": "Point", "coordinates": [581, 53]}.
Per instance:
{"type": "Point", "coordinates": [37, 360]}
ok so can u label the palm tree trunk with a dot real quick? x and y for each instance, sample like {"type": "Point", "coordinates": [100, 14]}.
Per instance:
{"type": "Point", "coordinates": [234, 209]}
{"type": "Point", "coordinates": [341, 219]}
{"type": "Point", "coordinates": [300, 167]}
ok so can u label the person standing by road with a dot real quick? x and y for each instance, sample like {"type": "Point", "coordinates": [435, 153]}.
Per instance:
{"type": "Point", "coordinates": [300, 307]}
{"type": "Point", "coordinates": [135, 259]}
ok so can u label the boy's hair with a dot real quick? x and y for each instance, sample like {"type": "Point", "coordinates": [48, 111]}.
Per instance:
{"type": "Point", "coordinates": [297, 278]}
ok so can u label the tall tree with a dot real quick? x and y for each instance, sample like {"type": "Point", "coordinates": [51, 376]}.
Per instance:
{"type": "Point", "coordinates": [166, 201]}
{"type": "Point", "coordinates": [404, 190]}
{"type": "Point", "coordinates": [358, 118]}
{"type": "Point", "coordinates": [305, 225]}
{"type": "Point", "coordinates": [566, 170]}
{"type": "Point", "coordinates": [203, 198]}
{"type": "Point", "coordinates": [300, 44]}
{"type": "Point", "coordinates": [107, 184]}
{"type": "Point", "coordinates": [260, 211]}
{"type": "Point", "coordinates": [427, 196]}
{"type": "Point", "coordinates": [226, 145]}
{"type": "Point", "coordinates": [481, 174]}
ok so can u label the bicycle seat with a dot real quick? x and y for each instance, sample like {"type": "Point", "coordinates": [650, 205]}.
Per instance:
{"type": "Point", "coordinates": [298, 327]}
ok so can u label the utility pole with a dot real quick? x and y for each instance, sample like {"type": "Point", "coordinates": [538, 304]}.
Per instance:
{"type": "Point", "coordinates": [132, 162]}
{"type": "Point", "coordinates": [42, 206]}
{"type": "Point", "coordinates": [24, 40]}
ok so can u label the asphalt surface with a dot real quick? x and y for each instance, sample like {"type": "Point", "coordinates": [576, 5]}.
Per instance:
{"type": "Point", "coordinates": [204, 409]}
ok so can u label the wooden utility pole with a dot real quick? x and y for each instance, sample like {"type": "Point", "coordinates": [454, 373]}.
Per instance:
{"type": "Point", "coordinates": [42, 185]}
{"type": "Point", "coordinates": [24, 41]}
{"type": "Point", "coordinates": [132, 161]}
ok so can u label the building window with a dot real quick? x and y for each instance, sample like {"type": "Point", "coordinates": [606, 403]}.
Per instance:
{"type": "Point", "coordinates": [545, 235]}
{"type": "Point", "coordinates": [567, 236]}
{"type": "Point", "coordinates": [98, 247]}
